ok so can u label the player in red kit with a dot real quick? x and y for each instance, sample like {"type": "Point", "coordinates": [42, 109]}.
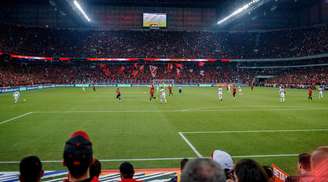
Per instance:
{"type": "Point", "coordinates": [151, 92]}
{"type": "Point", "coordinates": [310, 93]}
{"type": "Point", "coordinates": [234, 92]}
{"type": "Point", "coordinates": [118, 94]}
{"type": "Point", "coordinates": [170, 90]}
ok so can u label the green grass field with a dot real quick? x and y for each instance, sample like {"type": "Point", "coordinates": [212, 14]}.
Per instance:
{"type": "Point", "coordinates": [148, 133]}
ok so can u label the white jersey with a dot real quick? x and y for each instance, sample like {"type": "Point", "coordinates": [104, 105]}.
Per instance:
{"type": "Point", "coordinates": [321, 89]}
{"type": "Point", "coordinates": [282, 92]}
{"type": "Point", "coordinates": [162, 92]}
{"type": "Point", "coordinates": [16, 94]}
{"type": "Point", "coordinates": [220, 91]}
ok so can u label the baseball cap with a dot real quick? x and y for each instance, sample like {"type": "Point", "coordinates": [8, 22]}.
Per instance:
{"type": "Point", "coordinates": [223, 159]}
{"type": "Point", "coordinates": [78, 153]}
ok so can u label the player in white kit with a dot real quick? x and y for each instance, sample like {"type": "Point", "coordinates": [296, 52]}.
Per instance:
{"type": "Point", "coordinates": [282, 93]}
{"type": "Point", "coordinates": [220, 94]}
{"type": "Point", "coordinates": [16, 96]}
{"type": "Point", "coordinates": [321, 89]}
{"type": "Point", "coordinates": [162, 95]}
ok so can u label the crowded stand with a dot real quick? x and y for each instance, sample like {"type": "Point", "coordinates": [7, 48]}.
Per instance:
{"type": "Point", "coordinates": [164, 44]}
{"type": "Point", "coordinates": [80, 161]}
{"type": "Point", "coordinates": [17, 73]}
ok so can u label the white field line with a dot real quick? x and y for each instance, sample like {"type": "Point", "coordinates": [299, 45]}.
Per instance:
{"type": "Point", "coordinates": [181, 110]}
{"type": "Point", "coordinates": [255, 131]}
{"type": "Point", "coordinates": [166, 159]}
{"type": "Point", "coordinates": [14, 118]}
{"type": "Point", "coordinates": [190, 145]}
{"type": "Point", "coordinates": [107, 160]}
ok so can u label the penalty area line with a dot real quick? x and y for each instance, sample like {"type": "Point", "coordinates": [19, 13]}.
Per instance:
{"type": "Point", "coordinates": [193, 148]}
{"type": "Point", "coordinates": [14, 118]}
{"type": "Point", "coordinates": [255, 131]}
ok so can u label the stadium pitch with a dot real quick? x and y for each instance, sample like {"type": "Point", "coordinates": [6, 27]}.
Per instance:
{"type": "Point", "coordinates": [153, 135]}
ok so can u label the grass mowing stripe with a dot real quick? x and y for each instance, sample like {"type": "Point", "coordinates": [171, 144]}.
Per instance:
{"type": "Point", "coordinates": [14, 118]}
{"type": "Point", "coordinates": [165, 159]}
{"type": "Point", "coordinates": [180, 110]}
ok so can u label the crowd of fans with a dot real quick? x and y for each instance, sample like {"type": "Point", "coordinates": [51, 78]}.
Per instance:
{"type": "Point", "coordinates": [82, 166]}
{"type": "Point", "coordinates": [164, 44]}
{"type": "Point", "coordinates": [25, 73]}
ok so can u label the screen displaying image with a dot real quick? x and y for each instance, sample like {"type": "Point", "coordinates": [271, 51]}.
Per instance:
{"type": "Point", "coordinates": [154, 20]}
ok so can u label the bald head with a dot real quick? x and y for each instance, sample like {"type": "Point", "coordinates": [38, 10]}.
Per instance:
{"type": "Point", "coordinates": [319, 160]}
{"type": "Point", "coordinates": [318, 156]}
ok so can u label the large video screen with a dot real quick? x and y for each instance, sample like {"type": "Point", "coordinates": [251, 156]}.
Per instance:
{"type": "Point", "coordinates": [154, 20]}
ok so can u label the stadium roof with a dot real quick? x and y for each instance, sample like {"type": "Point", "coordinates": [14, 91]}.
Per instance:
{"type": "Point", "coordinates": [170, 3]}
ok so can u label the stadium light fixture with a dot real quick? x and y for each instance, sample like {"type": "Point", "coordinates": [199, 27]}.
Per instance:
{"type": "Point", "coordinates": [77, 4]}
{"type": "Point", "coordinates": [238, 11]}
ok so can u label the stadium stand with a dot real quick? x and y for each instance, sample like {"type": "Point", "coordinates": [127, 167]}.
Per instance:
{"type": "Point", "coordinates": [167, 44]}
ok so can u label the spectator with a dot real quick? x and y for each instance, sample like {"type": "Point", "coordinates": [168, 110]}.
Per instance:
{"type": "Point", "coordinates": [177, 178]}
{"type": "Point", "coordinates": [304, 169]}
{"type": "Point", "coordinates": [319, 164]}
{"type": "Point", "coordinates": [78, 157]}
{"type": "Point", "coordinates": [30, 169]}
{"type": "Point", "coordinates": [203, 170]}
{"type": "Point", "coordinates": [248, 170]}
{"type": "Point", "coordinates": [225, 161]}
{"type": "Point", "coordinates": [95, 168]}
{"type": "Point", "coordinates": [127, 172]}
{"type": "Point", "coordinates": [269, 171]}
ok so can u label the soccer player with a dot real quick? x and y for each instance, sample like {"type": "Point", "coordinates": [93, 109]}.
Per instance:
{"type": "Point", "coordinates": [94, 88]}
{"type": "Point", "coordinates": [282, 93]}
{"type": "Point", "coordinates": [234, 92]}
{"type": "Point", "coordinates": [321, 89]}
{"type": "Point", "coordinates": [118, 94]}
{"type": "Point", "coordinates": [170, 90]}
{"type": "Point", "coordinates": [151, 92]}
{"type": "Point", "coordinates": [310, 93]}
{"type": "Point", "coordinates": [83, 88]}
{"type": "Point", "coordinates": [162, 95]}
{"type": "Point", "coordinates": [16, 96]}
{"type": "Point", "coordinates": [180, 90]}
{"type": "Point", "coordinates": [220, 93]}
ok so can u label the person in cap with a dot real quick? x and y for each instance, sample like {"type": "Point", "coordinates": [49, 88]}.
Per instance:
{"type": "Point", "coordinates": [30, 169]}
{"type": "Point", "coordinates": [203, 170]}
{"type": "Point", "coordinates": [225, 161]}
{"type": "Point", "coordinates": [127, 172]}
{"type": "Point", "coordinates": [78, 157]}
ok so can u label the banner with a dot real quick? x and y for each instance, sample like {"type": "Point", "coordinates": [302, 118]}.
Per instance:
{"type": "Point", "coordinates": [202, 73]}
{"type": "Point", "coordinates": [178, 73]}
{"type": "Point", "coordinates": [278, 174]}
{"type": "Point", "coordinates": [201, 64]}
{"type": "Point", "coordinates": [153, 70]}
{"type": "Point", "coordinates": [121, 70]}
{"type": "Point", "coordinates": [169, 67]}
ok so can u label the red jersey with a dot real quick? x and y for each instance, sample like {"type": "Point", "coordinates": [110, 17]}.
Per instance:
{"type": "Point", "coordinates": [152, 90]}
{"type": "Point", "coordinates": [118, 92]}
{"type": "Point", "coordinates": [170, 89]}
{"type": "Point", "coordinates": [310, 92]}
{"type": "Point", "coordinates": [234, 90]}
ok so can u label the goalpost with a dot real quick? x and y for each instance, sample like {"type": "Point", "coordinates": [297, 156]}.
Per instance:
{"type": "Point", "coordinates": [162, 83]}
